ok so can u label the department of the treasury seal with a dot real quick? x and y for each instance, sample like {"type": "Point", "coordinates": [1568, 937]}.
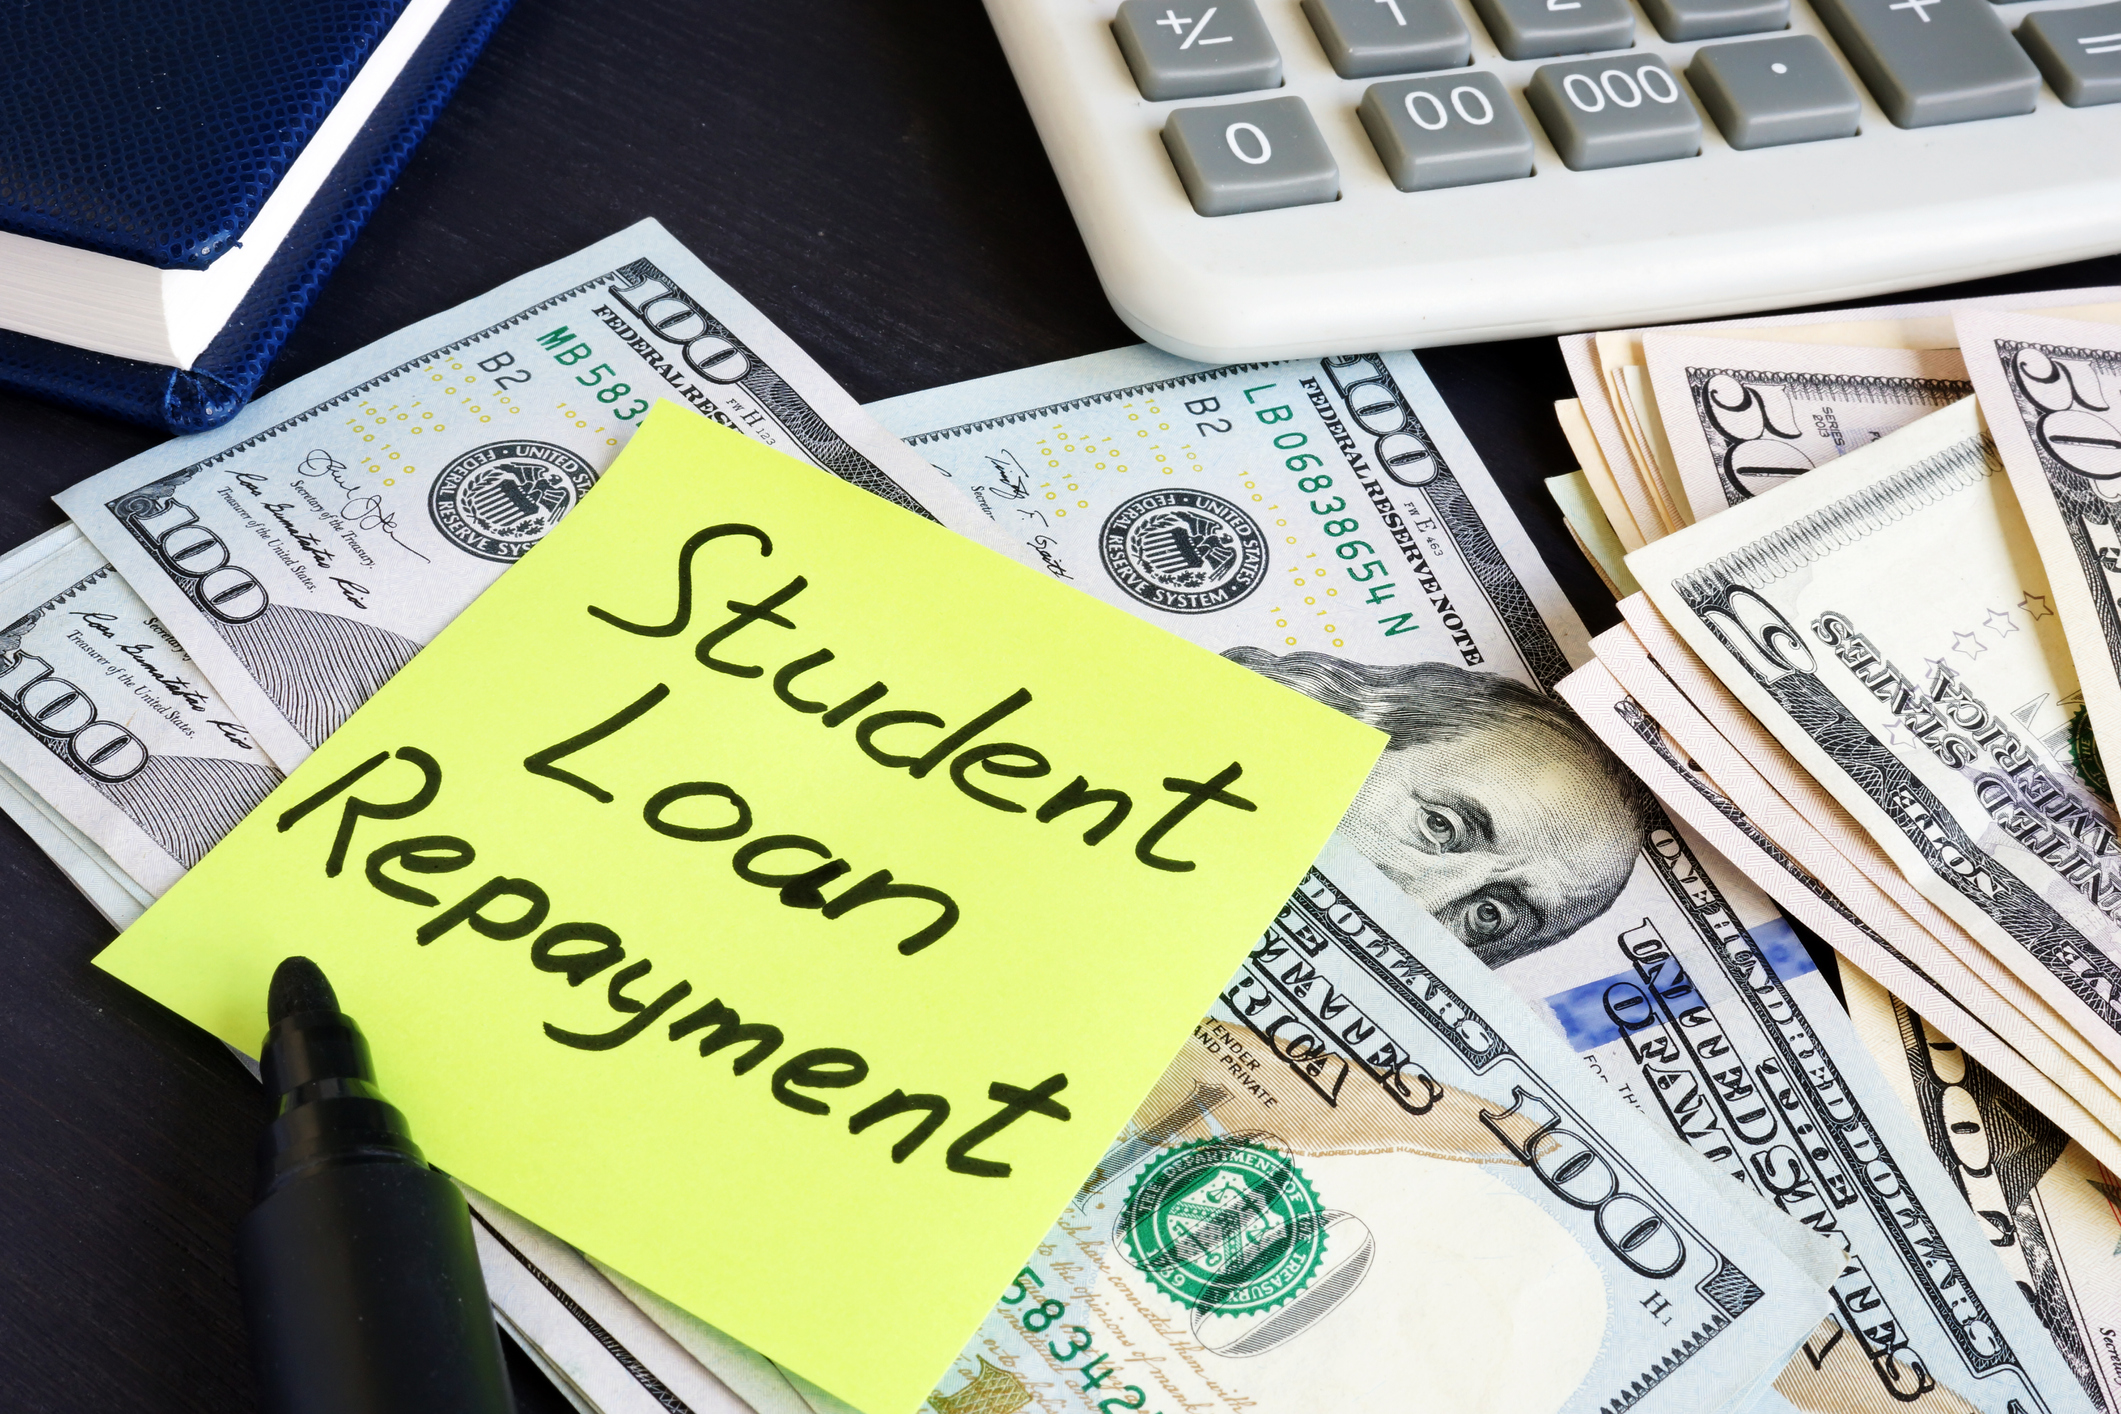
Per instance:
{"type": "Point", "coordinates": [499, 500]}
{"type": "Point", "coordinates": [1224, 1227]}
{"type": "Point", "coordinates": [1185, 551]}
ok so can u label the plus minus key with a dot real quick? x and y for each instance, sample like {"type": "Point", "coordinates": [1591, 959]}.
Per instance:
{"type": "Point", "coordinates": [1195, 50]}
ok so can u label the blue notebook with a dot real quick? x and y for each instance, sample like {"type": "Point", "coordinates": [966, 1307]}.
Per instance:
{"type": "Point", "coordinates": [177, 180]}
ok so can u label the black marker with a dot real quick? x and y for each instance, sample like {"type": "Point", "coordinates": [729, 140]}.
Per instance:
{"type": "Point", "coordinates": [361, 1284]}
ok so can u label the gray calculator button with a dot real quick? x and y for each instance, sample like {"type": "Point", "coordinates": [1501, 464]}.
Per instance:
{"type": "Point", "coordinates": [1364, 38]}
{"type": "Point", "coordinates": [1933, 61]}
{"type": "Point", "coordinates": [1679, 20]}
{"type": "Point", "coordinates": [1766, 92]}
{"type": "Point", "coordinates": [1195, 49]}
{"type": "Point", "coordinates": [1251, 156]}
{"type": "Point", "coordinates": [1540, 29]}
{"type": "Point", "coordinates": [1449, 131]}
{"type": "Point", "coordinates": [1614, 112]}
{"type": "Point", "coordinates": [2079, 51]}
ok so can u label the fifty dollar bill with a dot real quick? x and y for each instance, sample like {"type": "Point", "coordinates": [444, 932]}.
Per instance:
{"type": "Point", "coordinates": [1743, 416]}
{"type": "Point", "coordinates": [2049, 389]}
{"type": "Point", "coordinates": [1617, 406]}
{"type": "Point", "coordinates": [1936, 701]}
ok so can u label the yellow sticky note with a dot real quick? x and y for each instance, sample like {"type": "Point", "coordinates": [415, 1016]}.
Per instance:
{"type": "Point", "coordinates": [772, 893]}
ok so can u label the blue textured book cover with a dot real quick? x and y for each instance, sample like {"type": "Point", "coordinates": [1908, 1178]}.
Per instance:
{"type": "Point", "coordinates": [155, 130]}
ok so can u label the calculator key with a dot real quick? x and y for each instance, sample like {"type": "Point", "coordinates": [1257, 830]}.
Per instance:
{"type": "Point", "coordinates": [1365, 38]}
{"type": "Point", "coordinates": [1540, 29]}
{"type": "Point", "coordinates": [1679, 20]}
{"type": "Point", "coordinates": [1449, 131]}
{"type": "Point", "coordinates": [1251, 156]}
{"type": "Point", "coordinates": [1614, 112]}
{"type": "Point", "coordinates": [1766, 92]}
{"type": "Point", "coordinates": [1933, 61]}
{"type": "Point", "coordinates": [1197, 50]}
{"type": "Point", "coordinates": [2078, 50]}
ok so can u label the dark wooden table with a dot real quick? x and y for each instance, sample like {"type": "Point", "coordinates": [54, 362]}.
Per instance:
{"type": "Point", "coordinates": [865, 172]}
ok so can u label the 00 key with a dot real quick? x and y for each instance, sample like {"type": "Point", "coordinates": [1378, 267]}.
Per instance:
{"type": "Point", "coordinates": [1450, 130]}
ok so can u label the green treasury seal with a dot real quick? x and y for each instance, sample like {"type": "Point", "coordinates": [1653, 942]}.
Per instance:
{"type": "Point", "coordinates": [1224, 1227]}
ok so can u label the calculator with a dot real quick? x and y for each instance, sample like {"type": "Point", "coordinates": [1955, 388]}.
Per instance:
{"type": "Point", "coordinates": [1261, 179]}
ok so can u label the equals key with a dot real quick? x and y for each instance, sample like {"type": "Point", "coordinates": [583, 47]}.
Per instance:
{"type": "Point", "coordinates": [2079, 51]}
{"type": "Point", "coordinates": [1196, 51]}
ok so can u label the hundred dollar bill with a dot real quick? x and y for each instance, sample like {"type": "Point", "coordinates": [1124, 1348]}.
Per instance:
{"type": "Point", "coordinates": [1816, 886]}
{"type": "Point", "coordinates": [1372, 1180]}
{"type": "Point", "coordinates": [1739, 1044]}
{"type": "Point", "coordinates": [1326, 523]}
{"type": "Point", "coordinates": [1888, 619]}
{"type": "Point", "coordinates": [2053, 1212]}
{"type": "Point", "coordinates": [1316, 505]}
{"type": "Point", "coordinates": [2049, 389]}
{"type": "Point", "coordinates": [115, 895]}
{"type": "Point", "coordinates": [107, 727]}
{"type": "Point", "coordinates": [1494, 808]}
{"type": "Point", "coordinates": [1743, 416]}
{"type": "Point", "coordinates": [304, 552]}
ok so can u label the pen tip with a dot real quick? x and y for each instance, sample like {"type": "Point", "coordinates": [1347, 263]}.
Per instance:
{"type": "Point", "coordinates": [298, 985]}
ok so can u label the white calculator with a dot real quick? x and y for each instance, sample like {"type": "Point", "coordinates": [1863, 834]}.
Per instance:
{"type": "Point", "coordinates": [1263, 179]}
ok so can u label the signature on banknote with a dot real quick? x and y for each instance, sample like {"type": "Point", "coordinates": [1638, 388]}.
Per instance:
{"type": "Point", "coordinates": [363, 507]}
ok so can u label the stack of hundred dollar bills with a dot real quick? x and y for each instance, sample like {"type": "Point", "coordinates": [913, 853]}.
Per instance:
{"type": "Point", "coordinates": [1530, 1099]}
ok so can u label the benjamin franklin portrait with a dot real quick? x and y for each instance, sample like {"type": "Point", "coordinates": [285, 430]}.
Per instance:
{"type": "Point", "coordinates": [1493, 806]}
